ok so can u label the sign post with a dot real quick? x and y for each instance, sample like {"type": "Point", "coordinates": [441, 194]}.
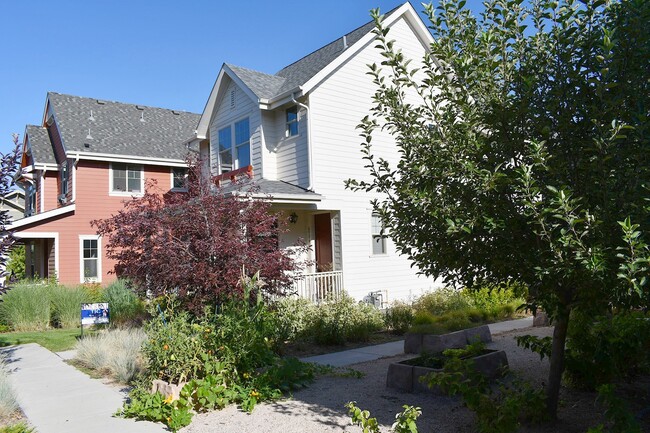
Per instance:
{"type": "Point", "coordinates": [93, 314]}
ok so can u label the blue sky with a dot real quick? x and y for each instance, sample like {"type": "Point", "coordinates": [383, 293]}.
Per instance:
{"type": "Point", "coordinates": [160, 53]}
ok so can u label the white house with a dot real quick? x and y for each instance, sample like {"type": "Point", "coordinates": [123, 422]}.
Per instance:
{"type": "Point", "coordinates": [295, 134]}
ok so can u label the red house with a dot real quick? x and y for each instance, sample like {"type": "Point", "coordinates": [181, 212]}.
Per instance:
{"type": "Point", "coordinates": [86, 158]}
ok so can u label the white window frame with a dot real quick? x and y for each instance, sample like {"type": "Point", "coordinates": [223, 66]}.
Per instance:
{"type": "Point", "coordinates": [83, 238]}
{"type": "Point", "coordinates": [289, 123]}
{"type": "Point", "coordinates": [381, 234]}
{"type": "Point", "coordinates": [111, 191]}
{"type": "Point", "coordinates": [233, 144]}
{"type": "Point", "coordinates": [65, 180]}
{"type": "Point", "coordinates": [171, 174]}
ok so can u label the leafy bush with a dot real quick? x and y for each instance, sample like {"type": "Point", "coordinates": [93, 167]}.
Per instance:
{"type": "Point", "coordinates": [441, 301]}
{"type": "Point", "coordinates": [601, 349]}
{"type": "Point", "coordinates": [340, 320]}
{"type": "Point", "coordinates": [292, 318]}
{"type": "Point", "coordinates": [399, 317]}
{"type": "Point", "coordinates": [8, 403]}
{"type": "Point", "coordinates": [404, 421]}
{"type": "Point", "coordinates": [26, 306]}
{"type": "Point", "coordinates": [115, 351]}
{"type": "Point", "coordinates": [16, 263]}
{"type": "Point", "coordinates": [125, 306]}
{"type": "Point", "coordinates": [66, 305]}
{"type": "Point", "coordinates": [21, 427]}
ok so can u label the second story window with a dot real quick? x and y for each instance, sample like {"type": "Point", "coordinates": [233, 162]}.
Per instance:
{"type": "Point", "coordinates": [291, 128]}
{"type": "Point", "coordinates": [127, 178]}
{"type": "Point", "coordinates": [179, 178]}
{"type": "Point", "coordinates": [378, 237]}
{"type": "Point", "coordinates": [64, 178]}
{"type": "Point", "coordinates": [232, 157]}
{"type": "Point", "coordinates": [30, 207]}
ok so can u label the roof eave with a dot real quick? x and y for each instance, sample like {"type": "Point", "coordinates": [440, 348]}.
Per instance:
{"type": "Point", "coordinates": [145, 160]}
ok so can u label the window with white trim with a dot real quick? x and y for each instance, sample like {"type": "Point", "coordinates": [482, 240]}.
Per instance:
{"type": "Point", "coordinates": [64, 178]}
{"type": "Point", "coordinates": [126, 178]}
{"type": "Point", "coordinates": [90, 256]}
{"type": "Point", "coordinates": [179, 178]}
{"type": "Point", "coordinates": [291, 128]}
{"type": "Point", "coordinates": [378, 236]}
{"type": "Point", "coordinates": [234, 146]}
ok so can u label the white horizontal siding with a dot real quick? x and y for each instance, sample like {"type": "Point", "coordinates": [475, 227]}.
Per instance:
{"type": "Point", "coordinates": [291, 153]}
{"type": "Point", "coordinates": [338, 104]}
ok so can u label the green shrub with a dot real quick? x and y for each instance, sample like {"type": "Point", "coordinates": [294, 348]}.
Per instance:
{"type": "Point", "coordinates": [344, 319]}
{"type": "Point", "coordinates": [441, 301]}
{"type": "Point", "coordinates": [292, 318]}
{"type": "Point", "coordinates": [115, 351]}
{"type": "Point", "coordinates": [66, 305]}
{"type": "Point", "coordinates": [124, 305]}
{"type": "Point", "coordinates": [26, 306]}
{"type": "Point", "coordinates": [602, 349]}
{"type": "Point", "coordinates": [399, 317]}
{"type": "Point", "coordinates": [424, 318]}
{"type": "Point", "coordinates": [21, 427]}
{"type": "Point", "coordinates": [8, 403]}
{"type": "Point", "coordinates": [16, 263]}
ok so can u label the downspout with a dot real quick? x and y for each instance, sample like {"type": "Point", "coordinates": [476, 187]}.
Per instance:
{"type": "Point", "coordinates": [309, 154]}
{"type": "Point", "coordinates": [42, 188]}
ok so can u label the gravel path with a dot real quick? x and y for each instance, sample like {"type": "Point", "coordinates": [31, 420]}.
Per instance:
{"type": "Point", "coordinates": [320, 407]}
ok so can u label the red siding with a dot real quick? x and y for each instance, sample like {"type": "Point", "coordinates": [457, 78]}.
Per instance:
{"type": "Point", "coordinates": [50, 188]}
{"type": "Point", "coordinates": [92, 202]}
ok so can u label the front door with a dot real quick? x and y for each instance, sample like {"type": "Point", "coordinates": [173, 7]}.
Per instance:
{"type": "Point", "coordinates": [323, 234]}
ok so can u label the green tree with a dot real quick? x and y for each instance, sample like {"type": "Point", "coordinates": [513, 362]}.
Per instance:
{"type": "Point", "coordinates": [524, 152]}
{"type": "Point", "coordinates": [16, 262]}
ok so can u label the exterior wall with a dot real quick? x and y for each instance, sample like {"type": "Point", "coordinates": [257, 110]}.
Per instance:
{"type": "Point", "coordinates": [50, 191]}
{"type": "Point", "coordinates": [269, 145]}
{"type": "Point", "coordinates": [226, 115]}
{"type": "Point", "coordinates": [337, 106]}
{"type": "Point", "coordinates": [92, 202]}
{"type": "Point", "coordinates": [291, 152]}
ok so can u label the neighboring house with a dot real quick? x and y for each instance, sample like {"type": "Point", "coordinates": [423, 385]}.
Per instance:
{"type": "Point", "coordinates": [14, 203]}
{"type": "Point", "coordinates": [294, 133]}
{"type": "Point", "coordinates": [86, 158]}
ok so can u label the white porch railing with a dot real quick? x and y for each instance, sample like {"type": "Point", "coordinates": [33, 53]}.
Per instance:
{"type": "Point", "coordinates": [320, 286]}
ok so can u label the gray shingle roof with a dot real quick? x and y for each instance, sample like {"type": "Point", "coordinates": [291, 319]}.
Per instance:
{"type": "Point", "coordinates": [39, 141]}
{"type": "Point", "coordinates": [119, 128]}
{"type": "Point", "coordinates": [267, 86]}
{"type": "Point", "coordinates": [271, 187]}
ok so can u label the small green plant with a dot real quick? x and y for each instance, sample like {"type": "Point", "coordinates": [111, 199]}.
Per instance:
{"type": "Point", "coordinates": [344, 319]}
{"type": "Point", "coordinates": [21, 427]}
{"type": "Point", "coordinates": [399, 317]}
{"type": "Point", "coordinates": [116, 351]}
{"type": "Point", "coordinates": [26, 306]}
{"type": "Point", "coordinates": [16, 263]}
{"type": "Point", "coordinates": [620, 418]}
{"type": "Point", "coordinates": [125, 306]}
{"type": "Point", "coordinates": [66, 305]}
{"type": "Point", "coordinates": [539, 345]}
{"type": "Point", "coordinates": [8, 403]}
{"type": "Point", "coordinates": [498, 410]}
{"type": "Point", "coordinates": [405, 421]}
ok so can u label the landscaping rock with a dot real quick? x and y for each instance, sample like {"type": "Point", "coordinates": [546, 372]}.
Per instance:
{"type": "Point", "coordinates": [492, 365]}
{"type": "Point", "coordinates": [417, 343]}
{"type": "Point", "coordinates": [540, 319]}
{"type": "Point", "coordinates": [167, 389]}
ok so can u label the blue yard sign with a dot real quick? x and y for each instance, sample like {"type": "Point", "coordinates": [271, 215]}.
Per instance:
{"type": "Point", "coordinates": [94, 314]}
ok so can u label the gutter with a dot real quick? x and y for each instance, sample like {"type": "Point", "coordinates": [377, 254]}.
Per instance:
{"type": "Point", "coordinates": [309, 153]}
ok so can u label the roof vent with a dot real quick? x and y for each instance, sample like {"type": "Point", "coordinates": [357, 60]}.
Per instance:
{"type": "Point", "coordinates": [176, 112]}
{"type": "Point", "coordinates": [232, 99]}
{"type": "Point", "coordinates": [345, 42]}
{"type": "Point", "coordinates": [91, 118]}
{"type": "Point", "coordinates": [142, 117]}
{"type": "Point", "coordinates": [100, 102]}
{"type": "Point", "coordinates": [87, 145]}
{"type": "Point", "coordinates": [139, 107]}
{"type": "Point", "coordinates": [89, 137]}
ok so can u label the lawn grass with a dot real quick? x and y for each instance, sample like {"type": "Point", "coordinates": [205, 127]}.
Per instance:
{"type": "Point", "coordinates": [56, 340]}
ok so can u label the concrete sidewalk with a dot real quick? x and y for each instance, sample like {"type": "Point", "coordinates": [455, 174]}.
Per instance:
{"type": "Point", "coordinates": [58, 398]}
{"type": "Point", "coordinates": [370, 353]}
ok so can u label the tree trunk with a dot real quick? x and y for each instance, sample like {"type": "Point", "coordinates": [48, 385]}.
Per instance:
{"type": "Point", "coordinates": [557, 363]}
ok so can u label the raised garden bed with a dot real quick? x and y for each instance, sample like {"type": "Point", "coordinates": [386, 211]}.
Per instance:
{"type": "Point", "coordinates": [417, 342]}
{"type": "Point", "coordinates": [405, 375]}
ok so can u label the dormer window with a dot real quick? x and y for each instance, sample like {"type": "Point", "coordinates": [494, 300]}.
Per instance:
{"type": "Point", "coordinates": [64, 178]}
{"type": "Point", "coordinates": [237, 156]}
{"type": "Point", "coordinates": [291, 128]}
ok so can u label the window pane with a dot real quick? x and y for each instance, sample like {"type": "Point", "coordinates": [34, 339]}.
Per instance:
{"type": "Point", "coordinates": [225, 139]}
{"type": "Point", "coordinates": [119, 184]}
{"type": "Point", "coordinates": [376, 224]}
{"type": "Point", "coordinates": [242, 132]}
{"type": "Point", "coordinates": [179, 177]}
{"type": "Point", "coordinates": [225, 161]}
{"type": "Point", "coordinates": [134, 185]}
{"type": "Point", "coordinates": [292, 114]}
{"type": "Point", "coordinates": [378, 245]}
{"type": "Point", "coordinates": [90, 268]}
{"type": "Point", "coordinates": [243, 155]}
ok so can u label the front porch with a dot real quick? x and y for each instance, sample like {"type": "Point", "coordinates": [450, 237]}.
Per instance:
{"type": "Point", "coordinates": [319, 286]}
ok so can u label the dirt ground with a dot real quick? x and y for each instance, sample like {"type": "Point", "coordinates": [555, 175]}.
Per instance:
{"type": "Point", "coordinates": [320, 407]}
